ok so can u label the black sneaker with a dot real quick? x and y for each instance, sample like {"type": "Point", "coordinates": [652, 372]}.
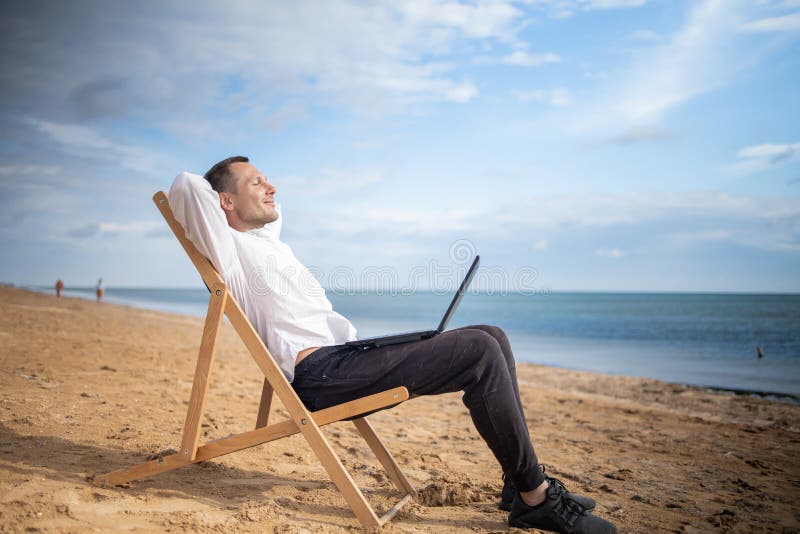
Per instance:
{"type": "Point", "coordinates": [559, 514]}
{"type": "Point", "coordinates": [507, 495]}
{"type": "Point", "coordinates": [510, 491]}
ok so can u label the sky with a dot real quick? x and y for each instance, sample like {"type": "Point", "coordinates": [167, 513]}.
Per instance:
{"type": "Point", "coordinates": [593, 145]}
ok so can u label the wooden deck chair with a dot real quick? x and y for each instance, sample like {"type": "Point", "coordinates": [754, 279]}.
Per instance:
{"type": "Point", "coordinates": [301, 420]}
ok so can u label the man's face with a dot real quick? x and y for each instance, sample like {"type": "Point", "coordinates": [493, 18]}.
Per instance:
{"type": "Point", "coordinates": [253, 204]}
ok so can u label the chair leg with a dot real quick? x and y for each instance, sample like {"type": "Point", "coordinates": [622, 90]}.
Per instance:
{"type": "Point", "coordinates": [344, 482]}
{"type": "Point", "coordinates": [384, 456]}
{"type": "Point", "coordinates": [264, 406]}
{"type": "Point", "coordinates": [202, 372]}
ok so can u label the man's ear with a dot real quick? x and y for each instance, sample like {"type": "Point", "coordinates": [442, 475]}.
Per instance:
{"type": "Point", "coordinates": [226, 201]}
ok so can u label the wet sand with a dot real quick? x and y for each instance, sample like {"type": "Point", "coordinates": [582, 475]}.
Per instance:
{"type": "Point", "coordinates": [87, 388]}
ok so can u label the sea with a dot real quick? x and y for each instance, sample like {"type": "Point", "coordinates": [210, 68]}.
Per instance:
{"type": "Point", "coordinates": [702, 339]}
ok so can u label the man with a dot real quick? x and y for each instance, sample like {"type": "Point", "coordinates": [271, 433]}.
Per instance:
{"type": "Point", "coordinates": [233, 219]}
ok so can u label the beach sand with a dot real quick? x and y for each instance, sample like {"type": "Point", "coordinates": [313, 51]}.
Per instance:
{"type": "Point", "coordinates": [87, 388]}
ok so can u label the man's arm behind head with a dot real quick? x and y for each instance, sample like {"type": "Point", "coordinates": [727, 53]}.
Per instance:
{"type": "Point", "coordinates": [196, 206]}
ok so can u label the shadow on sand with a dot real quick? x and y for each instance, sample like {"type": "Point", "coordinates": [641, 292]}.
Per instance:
{"type": "Point", "coordinates": [217, 485]}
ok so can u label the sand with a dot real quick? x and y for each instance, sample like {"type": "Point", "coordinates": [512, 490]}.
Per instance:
{"type": "Point", "coordinates": [87, 388]}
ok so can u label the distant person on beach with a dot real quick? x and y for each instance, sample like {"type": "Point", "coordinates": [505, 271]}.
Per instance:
{"type": "Point", "coordinates": [59, 287]}
{"type": "Point", "coordinates": [233, 219]}
{"type": "Point", "coordinates": [99, 290]}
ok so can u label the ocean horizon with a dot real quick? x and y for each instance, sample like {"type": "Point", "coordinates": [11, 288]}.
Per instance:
{"type": "Point", "coordinates": [700, 339]}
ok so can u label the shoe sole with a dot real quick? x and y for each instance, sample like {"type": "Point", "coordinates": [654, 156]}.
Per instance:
{"type": "Point", "coordinates": [506, 506]}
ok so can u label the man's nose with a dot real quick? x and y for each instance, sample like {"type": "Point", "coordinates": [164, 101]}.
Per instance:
{"type": "Point", "coordinates": [271, 190]}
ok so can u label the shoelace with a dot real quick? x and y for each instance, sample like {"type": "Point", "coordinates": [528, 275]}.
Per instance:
{"type": "Point", "coordinates": [563, 492]}
{"type": "Point", "coordinates": [567, 509]}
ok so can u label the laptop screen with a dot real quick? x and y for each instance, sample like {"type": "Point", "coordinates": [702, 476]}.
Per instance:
{"type": "Point", "coordinates": [460, 293]}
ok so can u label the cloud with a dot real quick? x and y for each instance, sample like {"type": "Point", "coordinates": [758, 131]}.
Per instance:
{"type": "Point", "coordinates": [462, 93]}
{"type": "Point", "coordinates": [567, 8]}
{"type": "Point", "coordinates": [33, 199]}
{"type": "Point", "coordinates": [354, 219]}
{"type": "Point", "coordinates": [759, 222]}
{"type": "Point", "coordinates": [790, 22]}
{"type": "Point", "coordinates": [705, 53]}
{"type": "Point", "coordinates": [401, 222]}
{"type": "Point", "coordinates": [769, 223]}
{"type": "Point", "coordinates": [481, 20]}
{"type": "Point", "coordinates": [595, 75]}
{"type": "Point", "coordinates": [690, 238]}
{"type": "Point", "coordinates": [244, 56]}
{"type": "Point", "coordinates": [695, 61]}
{"type": "Point", "coordinates": [12, 171]}
{"type": "Point", "coordinates": [526, 59]}
{"type": "Point", "coordinates": [336, 179]}
{"type": "Point", "coordinates": [779, 4]}
{"type": "Point", "coordinates": [159, 233]}
{"type": "Point", "coordinates": [102, 97]}
{"type": "Point", "coordinates": [519, 58]}
{"type": "Point", "coordinates": [612, 4]}
{"type": "Point", "coordinates": [84, 231]}
{"type": "Point", "coordinates": [288, 113]}
{"type": "Point", "coordinates": [603, 210]}
{"type": "Point", "coordinates": [774, 153]}
{"type": "Point", "coordinates": [103, 229]}
{"type": "Point", "coordinates": [756, 222]}
{"type": "Point", "coordinates": [757, 158]}
{"type": "Point", "coordinates": [86, 142]}
{"type": "Point", "coordinates": [332, 180]}
{"type": "Point", "coordinates": [559, 97]}
{"type": "Point", "coordinates": [609, 252]}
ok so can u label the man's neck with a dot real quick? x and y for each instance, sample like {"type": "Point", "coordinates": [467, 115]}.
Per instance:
{"type": "Point", "coordinates": [237, 224]}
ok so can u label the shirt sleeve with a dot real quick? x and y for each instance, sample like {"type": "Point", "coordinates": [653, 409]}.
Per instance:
{"type": "Point", "coordinates": [196, 206]}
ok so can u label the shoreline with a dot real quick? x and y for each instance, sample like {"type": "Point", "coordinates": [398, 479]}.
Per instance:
{"type": "Point", "coordinates": [45, 288]}
{"type": "Point", "coordinates": [90, 388]}
{"type": "Point", "coordinates": [766, 395]}
{"type": "Point", "coordinates": [87, 293]}
{"type": "Point", "coordinates": [774, 396]}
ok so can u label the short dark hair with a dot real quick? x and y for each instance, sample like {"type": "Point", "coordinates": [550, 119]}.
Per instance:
{"type": "Point", "coordinates": [220, 176]}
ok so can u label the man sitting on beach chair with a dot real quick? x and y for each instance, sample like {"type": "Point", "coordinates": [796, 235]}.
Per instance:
{"type": "Point", "coordinates": [288, 308]}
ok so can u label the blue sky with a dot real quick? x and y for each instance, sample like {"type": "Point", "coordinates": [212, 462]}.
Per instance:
{"type": "Point", "coordinates": [600, 144]}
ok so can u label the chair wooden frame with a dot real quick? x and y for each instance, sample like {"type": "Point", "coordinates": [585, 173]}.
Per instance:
{"type": "Point", "coordinates": [300, 419]}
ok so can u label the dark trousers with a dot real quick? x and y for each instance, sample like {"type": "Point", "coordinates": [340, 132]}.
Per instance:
{"type": "Point", "coordinates": [476, 360]}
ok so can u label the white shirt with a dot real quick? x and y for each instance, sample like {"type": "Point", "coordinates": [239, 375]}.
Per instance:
{"type": "Point", "coordinates": [284, 302]}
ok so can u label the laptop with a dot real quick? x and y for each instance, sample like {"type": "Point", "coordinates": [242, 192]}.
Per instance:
{"type": "Point", "coordinates": [394, 339]}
